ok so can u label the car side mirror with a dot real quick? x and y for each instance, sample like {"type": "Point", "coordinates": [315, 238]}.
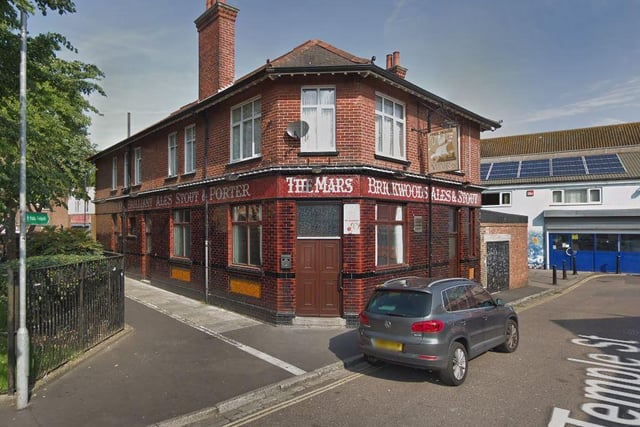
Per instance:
{"type": "Point", "coordinates": [499, 302]}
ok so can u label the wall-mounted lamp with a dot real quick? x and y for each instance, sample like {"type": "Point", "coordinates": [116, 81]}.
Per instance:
{"type": "Point", "coordinates": [316, 169]}
{"type": "Point", "coordinates": [399, 175]}
{"type": "Point", "coordinates": [232, 177]}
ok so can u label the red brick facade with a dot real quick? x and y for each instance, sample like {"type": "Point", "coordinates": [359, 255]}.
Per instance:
{"type": "Point", "coordinates": [439, 224]}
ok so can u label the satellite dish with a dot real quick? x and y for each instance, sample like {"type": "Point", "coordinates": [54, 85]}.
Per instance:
{"type": "Point", "coordinates": [297, 129]}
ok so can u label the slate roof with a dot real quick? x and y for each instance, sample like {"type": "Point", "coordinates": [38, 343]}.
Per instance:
{"type": "Point", "coordinates": [621, 139]}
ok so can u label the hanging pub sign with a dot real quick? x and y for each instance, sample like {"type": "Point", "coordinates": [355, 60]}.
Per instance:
{"type": "Point", "coordinates": [443, 150]}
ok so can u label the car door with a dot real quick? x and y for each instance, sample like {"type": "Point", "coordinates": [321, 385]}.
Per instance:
{"type": "Point", "coordinates": [492, 315]}
{"type": "Point", "coordinates": [468, 320]}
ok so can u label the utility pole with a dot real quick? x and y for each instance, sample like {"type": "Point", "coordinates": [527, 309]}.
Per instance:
{"type": "Point", "coordinates": [22, 336]}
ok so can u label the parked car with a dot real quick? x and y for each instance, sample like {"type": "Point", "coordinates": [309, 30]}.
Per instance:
{"type": "Point", "coordinates": [435, 324]}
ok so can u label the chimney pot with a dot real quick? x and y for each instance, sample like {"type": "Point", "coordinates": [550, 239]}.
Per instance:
{"type": "Point", "coordinates": [389, 61]}
{"type": "Point", "coordinates": [396, 58]}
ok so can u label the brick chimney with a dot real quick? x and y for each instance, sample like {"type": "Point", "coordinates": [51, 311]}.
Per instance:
{"type": "Point", "coordinates": [393, 65]}
{"type": "Point", "coordinates": [216, 47]}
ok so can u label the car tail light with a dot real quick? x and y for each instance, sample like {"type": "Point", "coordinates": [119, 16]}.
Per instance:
{"type": "Point", "coordinates": [364, 319]}
{"type": "Point", "coordinates": [428, 326]}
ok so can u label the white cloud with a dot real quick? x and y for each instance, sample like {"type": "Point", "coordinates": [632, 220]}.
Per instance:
{"type": "Point", "coordinates": [626, 94]}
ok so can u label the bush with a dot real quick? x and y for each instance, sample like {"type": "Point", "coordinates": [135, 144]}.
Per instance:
{"type": "Point", "coordinates": [58, 241]}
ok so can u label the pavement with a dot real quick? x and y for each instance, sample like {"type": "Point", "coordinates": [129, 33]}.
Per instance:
{"type": "Point", "coordinates": [180, 362]}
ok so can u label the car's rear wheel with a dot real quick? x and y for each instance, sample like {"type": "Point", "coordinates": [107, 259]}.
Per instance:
{"type": "Point", "coordinates": [512, 337]}
{"type": "Point", "coordinates": [456, 371]}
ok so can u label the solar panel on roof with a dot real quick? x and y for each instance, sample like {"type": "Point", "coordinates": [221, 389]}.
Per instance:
{"type": "Point", "coordinates": [484, 170]}
{"type": "Point", "coordinates": [567, 166]}
{"type": "Point", "coordinates": [534, 168]}
{"type": "Point", "coordinates": [504, 170]}
{"type": "Point", "coordinates": [603, 164]}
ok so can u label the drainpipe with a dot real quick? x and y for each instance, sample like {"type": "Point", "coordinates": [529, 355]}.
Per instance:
{"type": "Point", "coordinates": [430, 202]}
{"type": "Point", "coordinates": [206, 207]}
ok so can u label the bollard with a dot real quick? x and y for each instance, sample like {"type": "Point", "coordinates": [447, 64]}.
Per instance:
{"type": "Point", "coordinates": [555, 275]}
{"type": "Point", "coordinates": [564, 270]}
{"type": "Point", "coordinates": [575, 267]}
{"type": "Point", "coordinates": [618, 264]}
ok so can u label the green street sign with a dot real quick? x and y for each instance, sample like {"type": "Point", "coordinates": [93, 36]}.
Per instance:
{"type": "Point", "coordinates": [37, 218]}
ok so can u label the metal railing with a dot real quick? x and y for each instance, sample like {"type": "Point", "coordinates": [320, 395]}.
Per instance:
{"type": "Point", "coordinates": [70, 308]}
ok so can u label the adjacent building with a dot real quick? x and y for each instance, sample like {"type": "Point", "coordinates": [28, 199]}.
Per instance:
{"type": "Point", "coordinates": [580, 189]}
{"type": "Point", "coordinates": [297, 188]}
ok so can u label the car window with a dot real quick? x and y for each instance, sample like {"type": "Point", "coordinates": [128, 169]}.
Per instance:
{"type": "Point", "coordinates": [456, 298]}
{"type": "Point", "coordinates": [481, 298]}
{"type": "Point", "coordinates": [400, 303]}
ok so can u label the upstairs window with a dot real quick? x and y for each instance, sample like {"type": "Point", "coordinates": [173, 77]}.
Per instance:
{"type": "Point", "coordinates": [125, 171]}
{"type": "Point", "coordinates": [496, 199]}
{"type": "Point", "coordinates": [114, 173]}
{"type": "Point", "coordinates": [137, 166]}
{"type": "Point", "coordinates": [390, 128]}
{"type": "Point", "coordinates": [190, 149]}
{"type": "Point", "coordinates": [577, 196]}
{"type": "Point", "coordinates": [246, 131]}
{"type": "Point", "coordinates": [319, 111]}
{"type": "Point", "coordinates": [172, 155]}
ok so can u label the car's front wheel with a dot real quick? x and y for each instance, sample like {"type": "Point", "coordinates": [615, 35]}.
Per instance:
{"type": "Point", "coordinates": [456, 371]}
{"type": "Point", "coordinates": [512, 337]}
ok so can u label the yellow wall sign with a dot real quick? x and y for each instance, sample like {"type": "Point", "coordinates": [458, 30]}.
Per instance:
{"type": "Point", "coordinates": [245, 287]}
{"type": "Point", "coordinates": [181, 274]}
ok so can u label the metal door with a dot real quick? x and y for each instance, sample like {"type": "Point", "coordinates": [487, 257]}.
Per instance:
{"type": "Point", "coordinates": [497, 266]}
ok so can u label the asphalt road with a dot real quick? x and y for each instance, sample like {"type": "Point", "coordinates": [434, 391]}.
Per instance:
{"type": "Point", "coordinates": [545, 382]}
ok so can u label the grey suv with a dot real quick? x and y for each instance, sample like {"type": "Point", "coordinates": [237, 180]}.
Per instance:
{"type": "Point", "coordinates": [436, 324]}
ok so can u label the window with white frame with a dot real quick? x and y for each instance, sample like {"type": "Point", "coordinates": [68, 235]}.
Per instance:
{"type": "Point", "coordinates": [246, 131]}
{"type": "Point", "coordinates": [247, 234]}
{"type": "Point", "coordinates": [126, 176]}
{"type": "Point", "coordinates": [575, 196]}
{"type": "Point", "coordinates": [137, 166]}
{"type": "Point", "coordinates": [114, 173]}
{"type": "Point", "coordinates": [319, 111]}
{"type": "Point", "coordinates": [496, 199]}
{"type": "Point", "coordinates": [389, 235]}
{"type": "Point", "coordinates": [182, 233]}
{"type": "Point", "coordinates": [172, 155]}
{"type": "Point", "coordinates": [390, 128]}
{"type": "Point", "coordinates": [190, 149]}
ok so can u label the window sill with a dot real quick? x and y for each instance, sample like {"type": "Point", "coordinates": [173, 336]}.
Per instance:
{"type": "Point", "coordinates": [246, 270]}
{"type": "Point", "coordinates": [243, 161]}
{"type": "Point", "coordinates": [186, 262]}
{"type": "Point", "coordinates": [188, 174]}
{"type": "Point", "coordinates": [171, 178]}
{"type": "Point", "coordinates": [392, 159]}
{"type": "Point", "coordinates": [390, 269]}
{"type": "Point", "coordinates": [319, 153]}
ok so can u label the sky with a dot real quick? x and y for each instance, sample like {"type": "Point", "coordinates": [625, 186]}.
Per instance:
{"type": "Point", "coordinates": [536, 65]}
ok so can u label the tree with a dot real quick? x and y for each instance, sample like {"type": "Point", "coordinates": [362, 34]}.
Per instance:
{"type": "Point", "coordinates": [58, 119]}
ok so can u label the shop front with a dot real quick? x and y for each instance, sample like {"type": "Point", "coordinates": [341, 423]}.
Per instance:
{"type": "Point", "coordinates": [280, 246]}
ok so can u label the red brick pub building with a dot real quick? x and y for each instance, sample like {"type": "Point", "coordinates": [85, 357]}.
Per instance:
{"type": "Point", "coordinates": [296, 189]}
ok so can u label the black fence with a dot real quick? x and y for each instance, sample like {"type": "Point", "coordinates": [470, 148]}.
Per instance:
{"type": "Point", "coordinates": [70, 308]}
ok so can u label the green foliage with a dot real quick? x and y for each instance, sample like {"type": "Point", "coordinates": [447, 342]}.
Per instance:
{"type": "Point", "coordinates": [67, 241]}
{"type": "Point", "coordinates": [57, 114]}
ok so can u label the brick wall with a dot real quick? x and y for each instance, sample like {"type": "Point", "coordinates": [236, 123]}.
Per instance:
{"type": "Point", "coordinates": [517, 235]}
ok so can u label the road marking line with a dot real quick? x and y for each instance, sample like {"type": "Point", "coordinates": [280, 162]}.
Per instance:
{"type": "Point", "coordinates": [247, 349]}
{"type": "Point", "coordinates": [282, 405]}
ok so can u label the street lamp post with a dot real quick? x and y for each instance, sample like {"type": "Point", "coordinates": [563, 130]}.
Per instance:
{"type": "Point", "coordinates": [22, 336]}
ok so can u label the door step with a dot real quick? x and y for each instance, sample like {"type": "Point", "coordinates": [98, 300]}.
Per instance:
{"type": "Point", "coordinates": [319, 322]}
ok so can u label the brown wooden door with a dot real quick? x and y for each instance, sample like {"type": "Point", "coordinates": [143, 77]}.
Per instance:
{"type": "Point", "coordinates": [318, 277]}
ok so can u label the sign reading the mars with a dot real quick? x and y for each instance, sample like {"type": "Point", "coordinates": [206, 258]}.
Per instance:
{"type": "Point", "coordinates": [443, 150]}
